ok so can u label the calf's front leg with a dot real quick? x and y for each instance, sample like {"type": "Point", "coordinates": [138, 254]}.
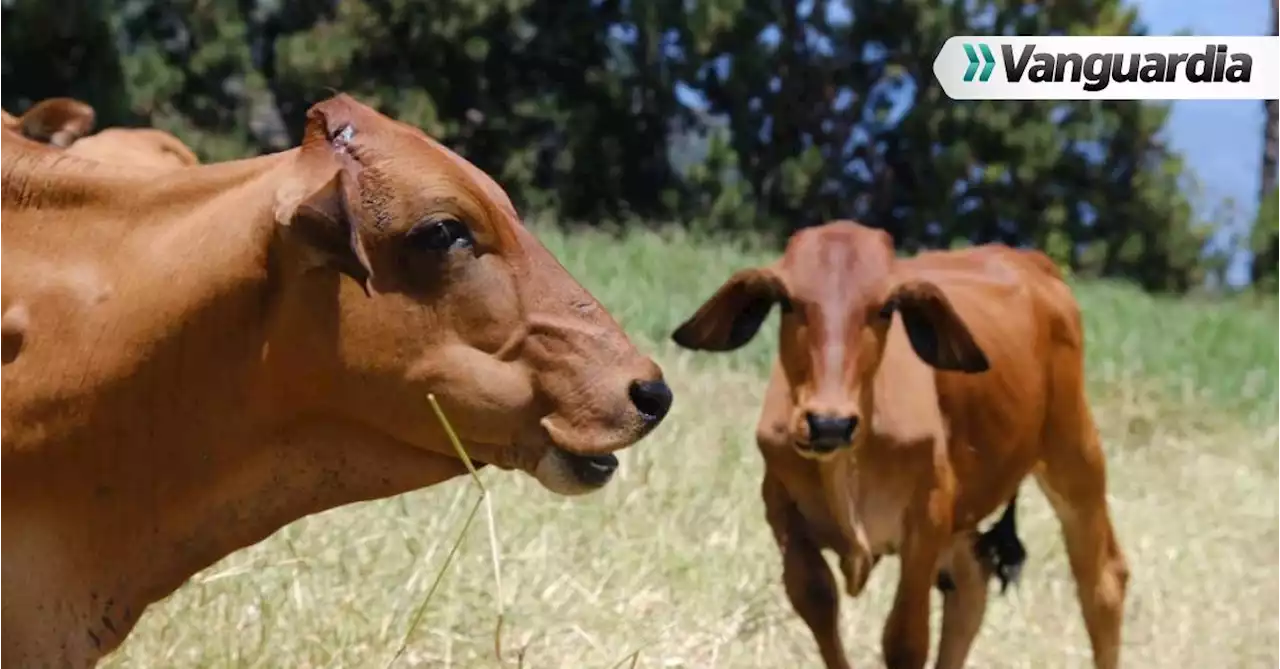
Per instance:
{"type": "Point", "coordinates": [810, 585]}
{"type": "Point", "coordinates": [906, 633]}
{"type": "Point", "coordinates": [964, 603]}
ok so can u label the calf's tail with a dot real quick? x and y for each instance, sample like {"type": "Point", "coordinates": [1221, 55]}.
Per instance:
{"type": "Point", "coordinates": [999, 548]}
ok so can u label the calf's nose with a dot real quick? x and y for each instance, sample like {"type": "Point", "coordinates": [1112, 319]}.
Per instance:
{"type": "Point", "coordinates": [652, 399]}
{"type": "Point", "coordinates": [830, 432]}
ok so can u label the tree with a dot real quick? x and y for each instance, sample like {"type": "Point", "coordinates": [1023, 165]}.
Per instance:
{"type": "Point", "coordinates": [834, 112]}
{"type": "Point", "coordinates": [62, 49]}
{"type": "Point", "coordinates": [1265, 238]}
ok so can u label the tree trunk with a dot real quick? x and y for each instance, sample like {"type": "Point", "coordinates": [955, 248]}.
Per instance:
{"type": "Point", "coordinates": [1264, 259]}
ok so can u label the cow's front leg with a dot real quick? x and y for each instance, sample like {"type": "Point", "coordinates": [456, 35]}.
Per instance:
{"type": "Point", "coordinates": [906, 634]}
{"type": "Point", "coordinates": [810, 585]}
{"type": "Point", "coordinates": [964, 603]}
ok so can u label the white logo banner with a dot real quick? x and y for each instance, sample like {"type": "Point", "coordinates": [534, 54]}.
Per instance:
{"type": "Point", "coordinates": [1109, 68]}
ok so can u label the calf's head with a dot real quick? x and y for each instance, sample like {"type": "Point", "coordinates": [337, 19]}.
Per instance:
{"type": "Point", "coordinates": [838, 287]}
{"type": "Point", "coordinates": [446, 292]}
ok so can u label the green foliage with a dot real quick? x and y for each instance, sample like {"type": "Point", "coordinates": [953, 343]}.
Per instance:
{"type": "Point", "coordinates": [792, 113]}
{"type": "Point", "coordinates": [1265, 242]}
{"type": "Point", "coordinates": [1088, 181]}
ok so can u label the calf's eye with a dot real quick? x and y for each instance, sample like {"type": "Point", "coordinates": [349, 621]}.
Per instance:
{"type": "Point", "coordinates": [441, 235]}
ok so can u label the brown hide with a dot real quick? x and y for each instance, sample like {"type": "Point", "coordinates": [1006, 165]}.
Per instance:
{"type": "Point", "coordinates": [135, 146]}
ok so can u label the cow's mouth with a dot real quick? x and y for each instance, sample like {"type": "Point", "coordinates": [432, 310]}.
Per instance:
{"type": "Point", "coordinates": [572, 474]}
{"type": "Point", "coordinates": [818, 450]}
{"type": "Point", "coordinates": [592, 470]}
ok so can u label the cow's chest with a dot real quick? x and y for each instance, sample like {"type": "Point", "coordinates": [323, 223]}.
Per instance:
{"type": "Point", "coordinates": [859, 511]}
{"type": "Point", "coordinates": [878, 512]}
{"type": "Point", "coordinates": [873, 503]}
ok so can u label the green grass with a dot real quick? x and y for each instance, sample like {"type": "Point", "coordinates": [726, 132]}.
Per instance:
{"type": "Point", "coordinates": [672, 565]}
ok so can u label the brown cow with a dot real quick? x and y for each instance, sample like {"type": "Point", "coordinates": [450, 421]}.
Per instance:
{"type": "Point", "coordinates": [56, 121]}
{"type": "Point", "coordinates": [66, 123]}
{"type": "Point", "coordinates": [194, 358]}
{"type": "Point", "coordinates": [148, 147]}
{"type": "Point", "coordinates": [910, 397]}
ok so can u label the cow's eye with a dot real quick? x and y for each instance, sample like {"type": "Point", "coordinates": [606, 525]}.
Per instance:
{"type": "Point", "coordinates": [440, 235]}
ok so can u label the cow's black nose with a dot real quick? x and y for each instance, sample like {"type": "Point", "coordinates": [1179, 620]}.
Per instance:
{"type": "Point", "coordinates": [652, 399]}
{"type": "Point", "coordinates": [826, 433]}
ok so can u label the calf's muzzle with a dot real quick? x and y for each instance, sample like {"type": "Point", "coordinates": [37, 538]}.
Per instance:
{"type": "Point", "coordinates": [828, 433]}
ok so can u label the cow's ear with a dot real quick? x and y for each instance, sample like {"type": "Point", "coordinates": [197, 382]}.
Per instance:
{"type": "Point", "coordinates": [733, 315]}
{"type": "Point", "coordinates": [937, 333]}
{"type": "Point", "coordinates": [325, 223]}
{"type": "Point", "coordinates": [58, 121]}
{"type": "Point", "coordinates": [327, 219]}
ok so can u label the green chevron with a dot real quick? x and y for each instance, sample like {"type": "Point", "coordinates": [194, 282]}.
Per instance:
{"type": "Point", "coordinates": [973, 62]}
{"type": "Point", "coordinates": [988, 60]}
{"type": "Point", "coordinates": [991, 63]}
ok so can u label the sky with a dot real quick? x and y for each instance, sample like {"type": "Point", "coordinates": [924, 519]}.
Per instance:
{"type": "Point", "coordinates": [1221, 140]}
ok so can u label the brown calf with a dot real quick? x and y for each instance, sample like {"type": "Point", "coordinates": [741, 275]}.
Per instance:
{"type": "Point", "coordinates": [909, 399]}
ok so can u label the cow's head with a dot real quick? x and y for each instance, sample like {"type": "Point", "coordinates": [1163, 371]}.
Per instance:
{"type": "Point", "coordinates": [56, 121]}
{"type": "Point", "coordinates": [838, 293]}
{"type": "Point", "coordinates": [440, 289]}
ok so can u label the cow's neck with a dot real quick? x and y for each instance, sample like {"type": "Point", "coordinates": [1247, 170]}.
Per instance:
{"type": "Point", "coordinates": [152, 462]}
{"type": "Point", "coordinates": [56, 181]}
{"type": "Point", "coordinates": [869, 488]}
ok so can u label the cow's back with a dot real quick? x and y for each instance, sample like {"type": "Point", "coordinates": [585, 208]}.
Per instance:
{"type": "Point", "coordinates": [146, 147]}
{"type": "Point", "coordinates": [1024, 317]}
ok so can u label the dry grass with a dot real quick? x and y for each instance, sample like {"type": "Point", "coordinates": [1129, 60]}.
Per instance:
{"type": "Point", "coordinates": [673, 565]}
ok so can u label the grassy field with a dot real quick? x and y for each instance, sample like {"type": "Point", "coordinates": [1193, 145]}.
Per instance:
{"type": "Point", "coordinates": [673, 566]}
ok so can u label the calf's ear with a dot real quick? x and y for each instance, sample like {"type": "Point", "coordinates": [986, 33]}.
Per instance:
{"type": "Point", "coordinates": [937, 333]}
{"type": "Point", "coordinates": [327, 219]}
{"type": "Point", "coordinates": [733, 315]}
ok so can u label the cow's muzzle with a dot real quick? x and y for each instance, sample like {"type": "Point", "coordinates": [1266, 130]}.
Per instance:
{"type": "Point", "coordinates": [571, 474]}
{"type": "Point", "coordinates": [826, 434]}
{"type": "Point", "coordinates": [652, 399]}
{"type": "Point", "coordinates": [592, 470]}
